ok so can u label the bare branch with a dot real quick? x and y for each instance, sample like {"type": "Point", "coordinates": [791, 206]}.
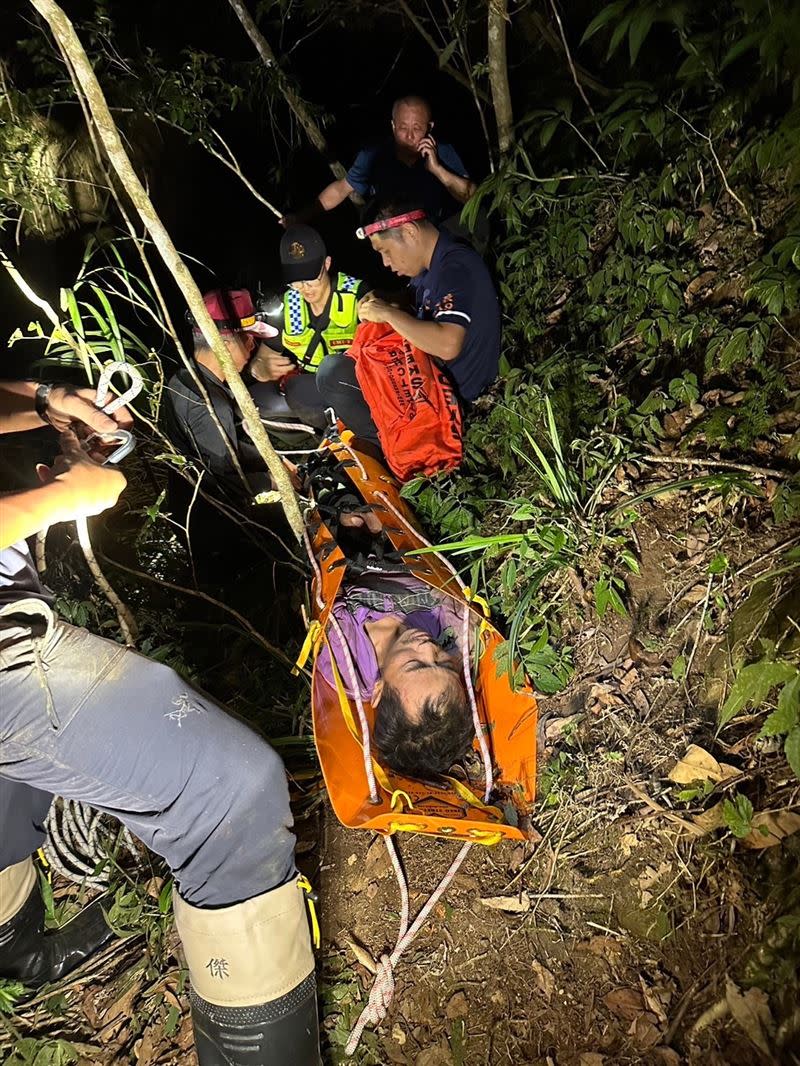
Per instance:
{"type": "Point", "coordinates": [86, 83]}
{"type": "Point", "coordinates": [296, 103]}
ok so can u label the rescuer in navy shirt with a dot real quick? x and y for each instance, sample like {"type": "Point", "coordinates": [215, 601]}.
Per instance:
{"type": "Point", "coordinates": [457, 311]}
{"type": "Point", "coordinates": [457, 319]}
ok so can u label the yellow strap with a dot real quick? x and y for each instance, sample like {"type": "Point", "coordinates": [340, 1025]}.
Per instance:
{"type": "Point", "coordinates": [473, 597]}
{"type": "Point", "coordinates": [474, 801]}
{"type": "Point", "coordinates": [311, 903]}
{"type": "Point", "coordinates": [45, 864]}
{"type": "Point", "coordinates": [312, 638]}
{"type": "Point", "coordinates": [398, 796]}
{"type": "Point", "coordinates": [485, 837]}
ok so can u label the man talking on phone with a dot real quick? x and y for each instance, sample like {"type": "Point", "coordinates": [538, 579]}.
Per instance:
{"type": "Point", "coordinates": [409, 165]}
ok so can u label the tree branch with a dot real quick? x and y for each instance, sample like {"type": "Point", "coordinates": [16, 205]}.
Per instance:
{"type": "Point", "coordinates": [296, 103]}
{"type": "Point", "coordinates": [498, 73]}
{"type": "Point", "coordinates": [86, 83]}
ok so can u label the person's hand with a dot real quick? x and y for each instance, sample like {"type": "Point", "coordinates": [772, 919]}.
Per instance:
{"type": "Point", "coordinates": [66, 406]}
{"type": "Point", "coordinates": [269, 365]}
{"type": "Point", "coordinates": [88, 488]}
{"type": "Point", "coordinates": [362, 520]}
{"type": "Point", "coordinates": [429, 152]}
{"type": "Point", "coordinates": [371, 309]}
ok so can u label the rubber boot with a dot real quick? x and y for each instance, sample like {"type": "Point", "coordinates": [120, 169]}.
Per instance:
{"type": "Point", "coordinates": [253, 993]}
{"type": "Point", "coordinates": [27, 953]}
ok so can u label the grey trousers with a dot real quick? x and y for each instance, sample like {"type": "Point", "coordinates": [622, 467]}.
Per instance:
{"type": "Point", "coordinates": [91, 720]}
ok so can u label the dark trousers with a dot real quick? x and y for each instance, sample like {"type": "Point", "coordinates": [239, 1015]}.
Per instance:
{"type": "Point", "coordinates": [308, 397]}
{"type": "Point", "coordinates": [91, 720]}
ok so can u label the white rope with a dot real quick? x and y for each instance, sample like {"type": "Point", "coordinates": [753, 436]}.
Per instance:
{"type": "Point", "coordinates": [301, 427]}
{"type": "Point", "coordinates": [382, 991]}
{"type": "Point", "coordinates": [79, 839]}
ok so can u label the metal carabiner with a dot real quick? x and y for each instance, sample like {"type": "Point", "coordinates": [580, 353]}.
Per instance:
{"type": "Point", "coordinates": [123, 438]}
{"type": "Point", "coordinates": [104, 382]}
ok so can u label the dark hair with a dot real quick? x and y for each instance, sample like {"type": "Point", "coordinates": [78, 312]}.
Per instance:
{"type": "Point", "coordinates": [431, 745]}
{"type": "Point", "coordinates": [380, 208]}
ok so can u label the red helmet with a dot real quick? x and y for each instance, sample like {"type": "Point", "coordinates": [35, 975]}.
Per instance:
{"type": "Point", "coordinates": [233, 311]}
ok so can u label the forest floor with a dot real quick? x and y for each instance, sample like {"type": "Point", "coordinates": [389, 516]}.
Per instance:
{"type": "Point", "coordinates": [619, 934]}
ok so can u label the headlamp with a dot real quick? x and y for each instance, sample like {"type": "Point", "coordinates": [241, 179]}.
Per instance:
{"type": "Point", "coordinates": [389, 223]}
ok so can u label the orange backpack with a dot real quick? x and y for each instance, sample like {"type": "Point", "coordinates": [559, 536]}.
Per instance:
{"type": "Point", "coordinates": [412, 402]}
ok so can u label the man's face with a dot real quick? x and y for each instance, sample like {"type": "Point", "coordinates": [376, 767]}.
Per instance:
{"type": "Point", "coordinates": [418, 669]}
{"type": "Point", "coordinates": [410, 124]}
{"type": "Point", "coordinates": [314, 289]}
{"type": "Point", "coordinates": [240, 347]}
{"type": "Point", "coordinates": [400, 250]}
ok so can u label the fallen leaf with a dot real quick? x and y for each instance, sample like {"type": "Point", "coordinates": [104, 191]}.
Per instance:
{"type": "Point", "coordinates": [398, 1035]}
{"type": "Point", "coordinates": [708, 821]}
{"type": "Point", "coordinates": [377, 862]}
{"type": "Point", "coordinates": [602, 945]}
{"type": "Point", "coordinates": [438, 1055]}
{"type": "Point", "coordinates": [666, 1056]}
{"type": "Point", "coordinates": [750, 1010]}
{"type": "Point", "coordinates": [770, 827]}
{"type": "Point", "coordinates": [700, 765]}
{"type": "Point", "coordinates": [362, 955]}
{"type": "Point", "coordinates": [121, 1007]}
{"type": "Point", "coordinates": [626, 1003]}
{"type": "Point", "coordinates": [509, 904]}
{"type": "Point", "coordinates": [545, 981]}
{"type": "Point", "coordinates": [644, 1031]}
{"type": "Point", "coordinates": [591, 1058]}
{"type": "Point", "coordinates": [457, 1007]}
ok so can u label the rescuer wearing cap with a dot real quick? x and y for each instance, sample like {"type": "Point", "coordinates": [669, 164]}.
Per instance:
{"type": "Point", "coordinates": [187, 419]}
{"type": "Point", "coordinates": [92, 720]}
{"type": "Point", "coordinates": [320, 318]}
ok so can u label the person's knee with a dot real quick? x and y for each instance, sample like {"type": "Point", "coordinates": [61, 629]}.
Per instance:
{"type": "Point", "coordinates": [329, 375]}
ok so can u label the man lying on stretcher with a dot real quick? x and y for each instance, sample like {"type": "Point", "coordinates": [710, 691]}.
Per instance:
{"type": "Point", "coordinates": [405, 641]}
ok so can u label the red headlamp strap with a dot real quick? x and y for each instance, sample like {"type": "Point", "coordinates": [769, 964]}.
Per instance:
{"type": "Point", "coordinates": [389, 223]}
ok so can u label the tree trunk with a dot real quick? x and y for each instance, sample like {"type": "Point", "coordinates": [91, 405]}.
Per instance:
{"type": "Point", "coordinates": [498, 73]}
{"type": "Point", "coordinates": [87, 84]}
{"type": "Point", "coordinates": [293, 99]}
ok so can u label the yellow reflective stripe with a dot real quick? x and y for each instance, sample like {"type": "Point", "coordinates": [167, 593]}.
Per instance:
{"type": "Point", "coordinates": [311, 903]}
{"type": "Point", "coordinates": [312, 638]}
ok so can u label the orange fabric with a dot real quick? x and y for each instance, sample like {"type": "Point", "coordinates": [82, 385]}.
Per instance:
{"type": "Point", "coordinates": [509, 716]}
{"type": "Point", "coordinates": [412, 402]}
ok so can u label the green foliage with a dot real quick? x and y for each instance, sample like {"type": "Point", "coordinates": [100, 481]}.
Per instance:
{"type": "Point", "coordinates": [10, 993]}
{"type": "Point", "coordinates": [31, 1052]}
{"type": "Point", "coordinates": [737, 813]}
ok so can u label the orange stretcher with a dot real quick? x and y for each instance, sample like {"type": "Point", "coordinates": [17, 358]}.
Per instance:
{"type": "Point", "coordinates": [449, 808]}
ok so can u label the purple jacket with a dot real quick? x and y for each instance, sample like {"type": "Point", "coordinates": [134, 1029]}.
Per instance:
{"type": "Point", "coordinates": [374, 597]}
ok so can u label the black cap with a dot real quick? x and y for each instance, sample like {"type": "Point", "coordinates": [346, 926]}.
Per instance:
{"type": "Point", "coordinates": [302, 254]}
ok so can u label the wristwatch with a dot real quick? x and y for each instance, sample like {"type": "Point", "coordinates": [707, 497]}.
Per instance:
{"type": "Point", "coordinates": [41, 401]}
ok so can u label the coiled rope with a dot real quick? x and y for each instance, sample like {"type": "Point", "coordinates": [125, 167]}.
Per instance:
{"type": "Point", "coordinates": [79, 840]}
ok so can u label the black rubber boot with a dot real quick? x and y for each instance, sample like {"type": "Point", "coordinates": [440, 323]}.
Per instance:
{"type": "Point", "coordinates": [35, 958]}
{"type": "Point", "coordinates": [282, 1033]}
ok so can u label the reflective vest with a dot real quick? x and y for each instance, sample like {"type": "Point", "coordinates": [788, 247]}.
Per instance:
{"type": "Point", "coordinates": [301, 338]}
